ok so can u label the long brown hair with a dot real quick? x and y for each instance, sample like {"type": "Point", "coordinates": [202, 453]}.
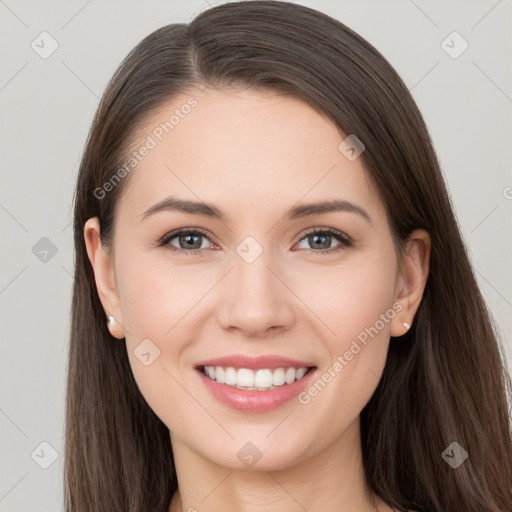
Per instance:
{"type": "Point", "coordinates": [445, 380]}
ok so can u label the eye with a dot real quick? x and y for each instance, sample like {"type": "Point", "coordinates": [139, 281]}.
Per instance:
{"type": "Point", "coordinates": [188, 241]}
{"type": "Point", "coordinates": [321, 238]}
{"type": "Point", "coordinates": [191, 241]}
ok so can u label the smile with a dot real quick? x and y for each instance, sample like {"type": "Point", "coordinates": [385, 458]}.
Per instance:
{"type": "Point", "coordinates": [242, 388]}
{"type": "Point", "coordinates": [263, 379]}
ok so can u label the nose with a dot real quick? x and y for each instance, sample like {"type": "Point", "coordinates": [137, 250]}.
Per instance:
{"type": "Point", "coordinates": [256, 299]}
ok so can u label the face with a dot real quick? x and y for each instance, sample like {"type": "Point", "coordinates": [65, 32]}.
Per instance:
{"type": "Point", "coordinates": [319, 288]}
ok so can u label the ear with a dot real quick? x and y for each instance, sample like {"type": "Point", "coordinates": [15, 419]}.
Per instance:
{"type": "Point", "coordinates": [102, 264]}
{"type": "Point", "coordinates": [411, 280]}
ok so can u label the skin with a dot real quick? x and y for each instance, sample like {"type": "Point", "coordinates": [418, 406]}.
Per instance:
{"type": "Point", "coordinates": [254, 155]}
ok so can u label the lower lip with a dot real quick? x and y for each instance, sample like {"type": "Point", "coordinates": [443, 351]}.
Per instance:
{"type": "Point", "coordinates": [256, 401]}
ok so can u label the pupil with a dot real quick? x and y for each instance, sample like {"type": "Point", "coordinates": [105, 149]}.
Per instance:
{"type": "Point", "coordinates": [190, 238]}
{"type": "Point", "coordinates": [315, 237]}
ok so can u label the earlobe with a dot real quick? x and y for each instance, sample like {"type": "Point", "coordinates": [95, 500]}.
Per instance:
{"type": "Point", "coordinates": [412, 280]}
{"type": "Point", "coordinates": [102, 266]}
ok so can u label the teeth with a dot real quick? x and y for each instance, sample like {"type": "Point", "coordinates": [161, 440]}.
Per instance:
{"type": "Point", "coordinates": [261, 380]}
{"type": "Point", "coordinates": [300, 373]}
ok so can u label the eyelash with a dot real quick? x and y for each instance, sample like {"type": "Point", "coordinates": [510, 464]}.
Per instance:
{"type": "Point", "coordinates": [344, 240]}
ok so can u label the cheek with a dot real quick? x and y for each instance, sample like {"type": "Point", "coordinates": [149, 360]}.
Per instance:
{"type": "Point", "coordinates": [158, 306]}
{"type": "Point", "coordinates": [364, 323]}
{"type": "Point", "coordinates": [155, 303]}
{"type": "Point", "coordinates": [357, 307]}
{"type": "Point", "coordinates": [156, 295]}
{"type": "Point", "coordinates": [364, 298]}
{"type": "Point", "coordinates": [349, 297]}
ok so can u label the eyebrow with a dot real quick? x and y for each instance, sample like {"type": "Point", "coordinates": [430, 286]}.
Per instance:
{"type": "Point", "coordinates": [297, 212]}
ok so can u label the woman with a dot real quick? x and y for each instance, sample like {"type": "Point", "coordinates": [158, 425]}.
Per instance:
{"type": "Point", "coordinates": [273, 306]}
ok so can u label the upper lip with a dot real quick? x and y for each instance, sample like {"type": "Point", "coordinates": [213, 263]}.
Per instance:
{"type": "Point", "coordinates": [255, 363]}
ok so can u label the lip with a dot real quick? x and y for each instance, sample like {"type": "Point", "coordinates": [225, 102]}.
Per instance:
{"type": "Point", "coordinates": [256, 401]}
{"type": "Point", "coordinates": [255, 363]}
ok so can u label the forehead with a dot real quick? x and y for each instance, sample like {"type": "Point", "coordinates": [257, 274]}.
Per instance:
{"type": "Point", "coordinates": [245, 150]}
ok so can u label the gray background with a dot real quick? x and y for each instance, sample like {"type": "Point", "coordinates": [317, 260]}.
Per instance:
{"type": "Point", "coordinates": [46, 109]}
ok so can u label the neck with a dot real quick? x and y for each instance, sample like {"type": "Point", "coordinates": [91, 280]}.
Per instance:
{"type": "Point", "coordinates": [330, 480]}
